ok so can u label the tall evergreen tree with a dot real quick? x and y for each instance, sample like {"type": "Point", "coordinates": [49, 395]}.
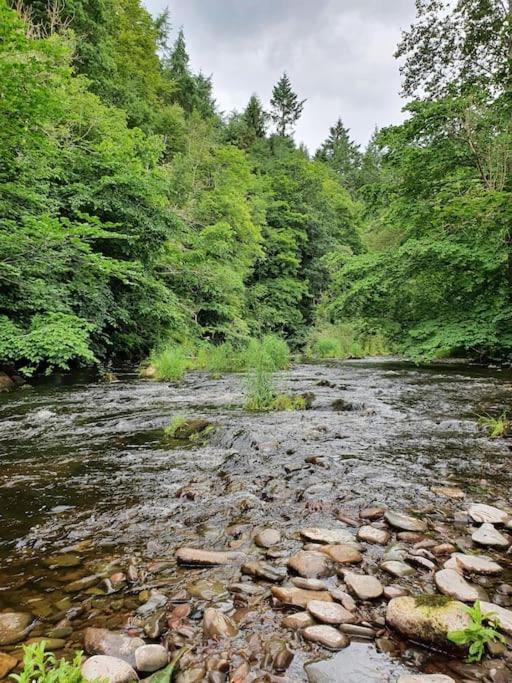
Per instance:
{"type": "Point", "coordinates": [341, 154]}
{"type": "Point", "coordinates": [286, 106]}
{"type": "Point", "coordinates": [255, 117]}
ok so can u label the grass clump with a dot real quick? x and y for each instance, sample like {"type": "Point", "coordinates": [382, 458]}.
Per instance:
{"type": "Point", "coordinates": [497, 427]}
{"type": "Point", "coordinates": [40, 666]}
{"type": "Point", "coordinates": [170, 363]}
{"type": "Point", "coordinates": [345, 340]}
{"type": "Point", "coordinates": [183, 429]}
{"type": "Point", "coordinates": [482, 630]}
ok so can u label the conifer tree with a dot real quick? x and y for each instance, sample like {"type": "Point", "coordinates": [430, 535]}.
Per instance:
{"type": "Point", "coordinates": [286, 106]}
{"type": "Point", "coordinates": [340, 152]}
{"type": "Point", "coordinates": [255, 117]}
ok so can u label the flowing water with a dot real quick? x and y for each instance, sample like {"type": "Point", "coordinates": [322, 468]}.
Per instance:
{"type": "Point", "coordinates": [84, 466]}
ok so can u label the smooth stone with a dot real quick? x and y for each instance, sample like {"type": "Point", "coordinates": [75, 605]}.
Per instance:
{"type": "Point", "coordinates": [155, 601]}
{"type": "Point", "coordinates": [100, 641]}
{"type": "Point", "coordinates": [311, 565]}
{"type": "Point", "coordinates": [263, 570]}
{"type": "Point", "coordinates": [372, 513]}
{"type": "Point", "coordinates": [343, 554]}
{"type": "Point", "coordinates": [290, 595]}
{"type": "Point", "coordinates": [51, 644]}
{"type": "Point", "coordinates": [478, 564]}
{"type": "Point", "coordinates": [425, 678]}
{"type": "Point", "coordinates": [358, 631]}
{"type": "Point", "coordinates": [449, 492]}
{"type": "Point", "coordinates": [396, 568]}
{"type": "Point", "coordinates": [149, 658]}
{"type": "Point", "coordinates": [371, 534]}
{"type": "Point", "coordinates": [203, 589]}
{"type": "Point", "coordinates": [298, 621]}
{"type": "Point", "coordinates": [330, 536]}
{"type": "Point", "coordinates": [64, 561]}
{"type": "Point", "coordinates": [504, 615]}
{"type": "Point", "coordinates": [487, 514]}
{"type": "Point", "coordinates": [364, 586]}
{"type": "Point", "coordinates": [393, 591]}
{"type": "Point", "coordinates": [82, 584]}
{"type": "Point", "coordinates": [330, 612]}
{"type": "Point", "coordinates": [410, 536]}
{"type": "Point", "coordinates": [427, 618]}
{"type": "Point", "coordinates": [276, 657]}
{"type": "Point", "coordinates": [14, 626]}
{"type": "Point", "coordinates": [489, 536]}
{"type": "Point", "coordinates": [346, 600]}
{"type": "Point", "coordinates": [207, 558]}
{"type": "Point", "coordinates": [399, 520]}
{"type": "Point", "coordinates": [7, 664]}
{"type": "Point", "coordinates": [327, 636]}
{"type": "Point", "coordinates": [108, 669]}
{"type": "Point", "coordinates": [309, 584]}
{"type": "Point", "coordinates": [443, 549]}
{"type": "Point", "coordinates": [218, 625]}
{"type": "Point", "coordinates": [266, 538]}
{"type": "Point", "coordinates": [450, 582]}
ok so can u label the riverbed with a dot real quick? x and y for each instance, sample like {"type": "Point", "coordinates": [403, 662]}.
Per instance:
{"type": "Point", "coordinates": [85, 470]}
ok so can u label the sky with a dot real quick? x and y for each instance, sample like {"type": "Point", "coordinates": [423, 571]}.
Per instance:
{"type": "Point", "coordinates": [337, 53]}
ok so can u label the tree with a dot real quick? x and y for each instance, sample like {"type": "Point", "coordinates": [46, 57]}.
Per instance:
{"type": "Point", "coordinates": [255, 117]}
{"type": "Point", "coordinates": [341, 154]}
{"type": "Point", "coordinates": [286, 106]}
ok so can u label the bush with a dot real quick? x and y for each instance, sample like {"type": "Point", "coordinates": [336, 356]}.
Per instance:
{"type": "Point", "coordinates": [346, 340]}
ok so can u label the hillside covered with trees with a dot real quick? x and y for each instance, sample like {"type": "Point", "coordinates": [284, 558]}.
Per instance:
{"type": "Point", "coordinates": [133, 212]}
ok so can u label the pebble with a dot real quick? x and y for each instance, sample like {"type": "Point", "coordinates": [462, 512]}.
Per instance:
{"type": "Point", "coordinates": [207, 558]}
{"type": "Point", "coordinates": [393, 591]}
{"type": "Point", "coordinates": [329, 612]}
{"type": "Point", "coordinates": [488, 535]}
{"type": "Point", "coordinates": [346, 600]}
{"type": "Point", "coordinates": [364, 586]}
{"type": "Point", "coordinates": [149, 658]}
{"type": "Point", "coordinates": [216, 624]}
{"type": "Point", "coordinates": [155, 601]}
{"type": "Point", "coordinates": [410, 537]}
{"type": "Point", "coordinates": [64, 561]}
{"type": "Point", "coordinates": [479, 564]}
{"type": "Point", "coordinates": [443, 549]}
{"type": "Point", "coordinates": [203, 589]}
{"type": "Point", "coordinates": [309, 584]}
{"type": "Point", "coordinates": [263, 570]}
{"type": "Point", "coordinates": [449, 492]}
{"type": "Point", "coordinates": [330, 536]}
{"type": "Point", "coordinates": [375, 512]}
{"type": "Point", "coordinates": [358, 631]}
{"type": "Point", "coordinates": [298, 621]}
{"type": "Point", "coordinates": [372, 534]}
{"type": "Point", "coordinates": [290, 595]}
{"type": "Point", "coordinates": [327, 636]}
{"type": "Point", "coordinates": [311, 564]}
{"type": "Point", "coordinates": [193, 675]}
{"type": "Point", "coordinates": [108, 669]}
{"type": "Point", "coordinates": [266, 538]}
{"type": "Point", "coordinates": [487, 514]}
{"type": "Point", "coordinates": [399, 520]}
{"type": "Point", "coordinates": [504, 615]}
{"type": "Point", "coordinates": [451, 583]}
{"type": "Point", "coordinates": [343, 554]}
{"type": "Point", "coordinates": [14, 626]}
{"type": "Point", "coordinates": [82, 584]}
{"type": "Point", "coordinates": [398, 569]}
{"type": "Point", "coordinates": [100, 641]}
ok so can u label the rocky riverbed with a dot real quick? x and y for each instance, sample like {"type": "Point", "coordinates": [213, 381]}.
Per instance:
{"type": "Point", "coordinates": [281, 547]}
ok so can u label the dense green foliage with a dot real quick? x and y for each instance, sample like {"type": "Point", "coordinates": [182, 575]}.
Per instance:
{"type": "Point", "coordinates": [43, 667]}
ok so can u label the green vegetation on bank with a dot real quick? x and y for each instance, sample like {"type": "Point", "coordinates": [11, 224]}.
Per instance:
{"type": "Point", "coordinates": [44, 667]}
{"type": "Point", "coordinates": [132, 212]}
{"type": "Point", "coordinates": [481, 632]}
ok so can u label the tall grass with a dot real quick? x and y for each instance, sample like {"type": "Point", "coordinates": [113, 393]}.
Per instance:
{"type": "Point", "coordinates": [497, 427]}
{"type": "Point", "coordinates": [170, 363]}
{"type": "Point", "coordinates": [345, 340]}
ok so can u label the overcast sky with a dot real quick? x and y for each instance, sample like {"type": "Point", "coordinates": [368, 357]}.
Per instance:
{"type": "Point", "coordinates": [338, 54]}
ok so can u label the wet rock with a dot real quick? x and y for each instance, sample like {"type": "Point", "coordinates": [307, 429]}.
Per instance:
{"type": "Point", "coordinates": [342, 406]}
{"type": "Point", "coordinates": [64, 561]}
{"type": "Point", "coordinates": [206, 590]}
{"type": "Point", "coordinates": [358, 631]}
{"type": "Point", "coordinates": [276, 656]}
{"type": "Point", "coordinates": [263, 570]}
{"type": "Point", "coordinates": [149, 658]}
{"type": "Point", "coordinates": [51, 644]}
{"type": "Point", "coordinates": [330, 612]}
{"type": "Point", "coordinates": [427, 618]}
{"type": "Point", "coordinates": [404, 522]}
{"type": "Point", "coordinates": [14, 626]}
{"type": "Point", "coordinates": [290, 595]}
{"type": "Point", "coordinates": [327, 636]}
{"type": "Point", "coordinates": [154, 626]}
{"type": "Point", "coordinates": [425, 678]}
{"type": "Point", "coordinates": [7, 664]}
{"type": "Point", "coordinates": [154, 602]}
{"type": "Point", "coordinates": [365, 587]}
{"type": "Point", "coordinates": [393, 591]}
{"type": "Point", "coordinates": [410, 537]}
{"type": "Point", "coordinates": [329, 536]}
{"type": "Point", "coordinates": [82, 584]}
{"type": "Point", "coordinates": [266, 538]}
{"type": "Point", "coordinates": [451, 583]}
{"type": "Point", "coordinates": [487, 514]}
{"type": "Point", "coordinates": [478, 564]}
{"type": "Point", "coordinates": [246, 589]}
{"type": "Point", "coordinates": [488, 535]}
{"type": "Point", "coordinates": [371, 513]}
{"type": "Point", "coordinates": [504, 615]}
{"type": "Point", "coordinates": [192, 428]}
{"type": "Point", "coordinates": [218, 625]}
{"type": "Point", "coordinates": [397, 568]}
{"type": "Point", "coordinates": [423, 562]}
{"type": "Point", "coordinates": [372, 534]}
{"type": "Point", "coordinates": [6, 383]}
{"type": "Point", "coordinates": [298, 621]}
{"type": "Point", "coordinates": [311, 564]}
{"type": "Point", "coordinates": [108, 669]}
{"type": "Point", "coordinates": [343, 554]}
{"type": "Point", "coordinates": [193, 557]}
{"type": "Point", "coordinates": [194, 674]}
{"type": "Point", "coordinates": [309, 584]}
{"type": "Point", "coordinates": [100, 641]}
{"type": "Point", "coordinates": [346, 600]}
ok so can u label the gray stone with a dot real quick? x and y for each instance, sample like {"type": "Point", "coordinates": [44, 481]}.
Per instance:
{"type": "Point", "coordinates": [100, 641]}
{"type": "Point", "coordinates": [427, 618]}
{"type": "Point", "coordinates": [266, 538]}
{"type": "Point", "coordinates": [372, 534]}
{"type": "Point", "coordinates": [263, 570]}
{"type": "Point", "coordinates": [108, 669]}
{"type": "Point", "coordinates": [504, 615]}
{"type": "Point", "coordinates": [357, 630]}
{"type": "Point", "coordinates": [451, 583]}
{"type": "Point", "coordinates": [309, 584]}
{"type": "Point", "coordinates": [396, 568]}
{"type": "Point", "coordinates": [364, 586]}
{"type": "Point", "coordinates": [331, 536]}
{"type": "Point", "coordinates": [14, 626]}
{"type": "Point", "coordinates": [327, 636]}
{"type": "Point", "coordinates": [489, 536]}
{"type": "Point", "coordinates": [481, 514]}
{"type": "Point", "coordinates": [149, 658]}
{"type": "Point", "coordinates": [404, 522]}
{"type": "Point", "coordinates": [394, 591]}
{"type": "Point", "coordinates": [477, 564]}
{"type": "Point", "coordinates": [330, 612]}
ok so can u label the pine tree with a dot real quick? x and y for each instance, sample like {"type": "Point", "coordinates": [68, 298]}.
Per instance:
{"type": "Point", "coordinates": [286, 107]}
{"type": "Point", "coordinates": [255, 117]}
{"type": "Point", "coordinates": [341, 154]}
{"type": "Point", "coordinates": [179, 59]}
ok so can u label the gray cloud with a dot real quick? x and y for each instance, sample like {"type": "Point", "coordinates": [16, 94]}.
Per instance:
{"type": "Point", "coordinates": [338, 54]}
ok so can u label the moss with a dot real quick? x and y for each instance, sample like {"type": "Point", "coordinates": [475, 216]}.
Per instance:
{"type": "Point", "coordinates": [188, 430]}
{"type": "Point", "coordinates": [432, 601]}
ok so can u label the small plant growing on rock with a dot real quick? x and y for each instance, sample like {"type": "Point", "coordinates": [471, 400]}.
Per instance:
{"type": "Point", "coordinates": [497, 427]}
{"type": "Point", "coordinates": [43, 667]}
{"type": "Point", "coordinates": [481, 630]}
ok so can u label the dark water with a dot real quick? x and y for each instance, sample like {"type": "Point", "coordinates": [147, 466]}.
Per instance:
{"type": "Point", "coordinates": [83, 462]}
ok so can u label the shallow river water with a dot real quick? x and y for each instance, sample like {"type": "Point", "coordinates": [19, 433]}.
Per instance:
{"type": "Point", "coordinates": [84, 468]}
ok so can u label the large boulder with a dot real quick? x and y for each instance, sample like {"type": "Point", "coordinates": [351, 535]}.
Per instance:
{"type": "Point", "coordinates": [427, 618]}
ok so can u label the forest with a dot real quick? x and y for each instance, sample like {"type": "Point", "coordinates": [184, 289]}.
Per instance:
{"type": "Point", "coordinates": [134, 214]}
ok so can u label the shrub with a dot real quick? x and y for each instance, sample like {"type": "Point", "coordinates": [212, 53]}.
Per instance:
{"type": "Point", "coordinates": [43, 667]}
